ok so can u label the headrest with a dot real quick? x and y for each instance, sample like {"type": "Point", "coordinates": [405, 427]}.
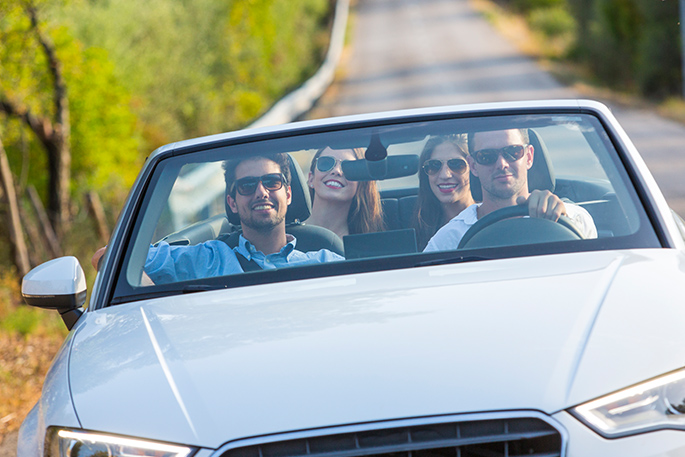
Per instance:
{"type": "Point", "coordinates": [540, 175]}
{"type": "Point", "coordinates": [301, 206]}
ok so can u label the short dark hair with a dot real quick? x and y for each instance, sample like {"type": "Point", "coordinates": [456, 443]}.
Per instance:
{"type": "Point", "coordinates": [471, 135]}
{"type": "Point", "coordinates": [230, 165]}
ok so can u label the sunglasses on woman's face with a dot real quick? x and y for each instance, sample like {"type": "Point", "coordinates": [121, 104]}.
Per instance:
{"type": "Point", "coordinates": [271, 182]}
{"type": "Point", "coordinates": [509, 153]}
{"type": "Point", "coordinates": [433, 166]}
{"type": "Point", "coordinates": [326, 163]}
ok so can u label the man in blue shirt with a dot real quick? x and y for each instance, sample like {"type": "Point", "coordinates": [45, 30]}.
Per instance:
{"type": "Point", "coordinates": [259, 193]}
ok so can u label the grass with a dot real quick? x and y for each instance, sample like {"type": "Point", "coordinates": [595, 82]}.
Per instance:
{"type": "Point", "coordinates": [29, 340]}
{"type": "Point", "coordinates": [30, 337]}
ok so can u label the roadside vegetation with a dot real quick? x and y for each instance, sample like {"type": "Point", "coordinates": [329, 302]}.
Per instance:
{"type": "Point", "coordinates": [625, 50]}
{"type": "Point", "coordinates": [88, 88]}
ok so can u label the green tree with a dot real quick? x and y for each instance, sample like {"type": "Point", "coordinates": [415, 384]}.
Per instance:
{"type": "Point", "coordinates": [204, 66]}
{"type": "Point", "coordinates": [658, 60]}
{"type": "Point", "coordinates": [50, 123]}
{"type": "Point", "coordinates": [105, 140]}
{"type": "Point", "coordinates": [633, 44]}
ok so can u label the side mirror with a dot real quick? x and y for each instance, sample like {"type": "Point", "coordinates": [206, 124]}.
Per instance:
{"type": "Point", "coordinates": [58, 284]}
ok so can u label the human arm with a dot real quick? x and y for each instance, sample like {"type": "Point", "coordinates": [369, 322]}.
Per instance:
{"type": "Point", "coordinates": [167, 264]}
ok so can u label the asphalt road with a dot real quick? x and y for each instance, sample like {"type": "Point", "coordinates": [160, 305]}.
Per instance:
{"type": "Point", "coordinates": [418, 53]}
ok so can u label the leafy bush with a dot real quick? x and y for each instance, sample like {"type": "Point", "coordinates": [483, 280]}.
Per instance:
{"type": "Point", "coordinates": [553, 22]}
{"type": "Point", "coordinates": [631, 44]}
{"type": "Point", "coordinates": [205, 66]}
{"type": "Point", "coordinates": [658, 54]}
{"type": "Point", "coordinates": [105, 147]}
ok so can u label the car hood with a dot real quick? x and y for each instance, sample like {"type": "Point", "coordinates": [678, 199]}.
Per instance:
{"type": "Point", "coordinates": [535, 333]}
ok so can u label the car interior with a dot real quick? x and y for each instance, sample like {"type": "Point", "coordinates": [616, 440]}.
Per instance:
{"type": "Point", "coordinates": [573, 158]}
{"type": "Point", "coordinates": [399, 208]}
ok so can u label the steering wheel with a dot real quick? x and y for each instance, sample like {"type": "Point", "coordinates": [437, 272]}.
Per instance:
{"type": "Point", "coordinates": [506, 227]}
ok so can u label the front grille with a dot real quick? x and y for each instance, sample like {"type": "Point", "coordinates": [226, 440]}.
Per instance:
{"type": "Point", "coordinates": [480, 438]}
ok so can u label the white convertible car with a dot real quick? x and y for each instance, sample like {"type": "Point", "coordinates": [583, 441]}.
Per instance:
{"type": "Point", "coordinates": [526, 338]}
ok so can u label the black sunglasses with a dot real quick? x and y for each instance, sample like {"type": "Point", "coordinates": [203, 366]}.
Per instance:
{"type": "Point", "coordinates": [433, 166]}
{"type": "Point", "coordinates": [326, 163]}
{"type": "Point", "coordinates": [509, 153]}
{"type": "Point", "coordinates": [248, 186]}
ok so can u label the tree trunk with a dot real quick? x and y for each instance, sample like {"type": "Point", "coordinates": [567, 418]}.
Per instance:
{"type": "Point", "coordinates": [59, 151]}
{"type": "Point", "coordinates": [99, 215]}
{"type": "Point", "coordinates": [16, 234]}
{"type": "Point", "coordinates": [48, 232]}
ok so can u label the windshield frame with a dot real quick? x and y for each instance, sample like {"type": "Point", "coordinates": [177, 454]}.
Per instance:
{"type": "Point", "coordinates": [151, 177]}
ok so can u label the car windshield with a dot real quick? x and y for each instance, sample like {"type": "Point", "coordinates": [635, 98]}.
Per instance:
{"type": "Point", "coordinates": [347, 208]}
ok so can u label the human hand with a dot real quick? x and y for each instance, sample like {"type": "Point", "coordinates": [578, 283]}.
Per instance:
{"type": "Point", "coordinates": [95, 260]}
{"type": "Point", "coordinates": [146, 280]}
{"type": "Point", "coordinates": [543, 204]}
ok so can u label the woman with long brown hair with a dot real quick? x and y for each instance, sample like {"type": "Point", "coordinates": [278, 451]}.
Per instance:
{"type": "Point", "coordinates": [345, 207]}
{"type": "Point", "coordinates": [444, 186]}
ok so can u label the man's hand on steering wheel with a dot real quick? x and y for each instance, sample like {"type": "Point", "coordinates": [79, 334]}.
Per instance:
{"type": "Point", "coordinates": [543, 204]}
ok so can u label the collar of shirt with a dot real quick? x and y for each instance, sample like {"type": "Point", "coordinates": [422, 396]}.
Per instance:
{"type": "Point", "coordinates": [469, 215]}
{"type": "Point", "coordinates": [248, 250]}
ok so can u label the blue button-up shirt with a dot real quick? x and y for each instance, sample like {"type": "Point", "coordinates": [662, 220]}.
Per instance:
{"type": "Point", "coordinates": [166, 264]}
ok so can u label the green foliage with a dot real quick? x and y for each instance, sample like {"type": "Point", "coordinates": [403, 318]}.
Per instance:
{"type": "Point", "coordinates": [553, 22]}
{"type": "Point", "coordinates": [203, 66]}
{"type": "Point", "coordinates": [105, 148]}
{"type": "Point", "coordinates": [532, 5]}
{"type": "Point", "coordinates": [632, 44]}
{"type": "Point", "coordinates": [658, 53]}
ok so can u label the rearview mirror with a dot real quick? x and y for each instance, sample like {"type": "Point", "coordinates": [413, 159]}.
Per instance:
{"type": "Point", "coordinates": [397, 166]}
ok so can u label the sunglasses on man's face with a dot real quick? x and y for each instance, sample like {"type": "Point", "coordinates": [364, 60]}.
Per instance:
{"type": "Point", "coordinates": [271, 182]}
{"type": "Point", "coordinates": [433, 166]}
{"type": "Point", "coordinates": [326, 163]}
{"type": "Point", "coordinates": [510, 153]}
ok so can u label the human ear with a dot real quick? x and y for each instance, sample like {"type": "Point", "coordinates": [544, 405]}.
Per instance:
{"type": "Point", "coordinates": [232, 204]}
{"type": "Point", "coordinates": [530, 153]}
{"type": "Point", "coordinates": [288, 195]}
{"type": "Point", "coordinates": [471, 163]}
{"type": "Point", "coordinates": [310, 180]}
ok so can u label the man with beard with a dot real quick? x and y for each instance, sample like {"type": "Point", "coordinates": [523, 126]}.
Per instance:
{"type": "Point", "coordinates": [501, 160]}
{"type": "Point", "coordinates": [259, 192]}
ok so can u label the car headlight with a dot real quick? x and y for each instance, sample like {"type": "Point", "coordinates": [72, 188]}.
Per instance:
{"type": "Point", "coordinates": [652, 405]}
{"type": "Point", "coordinates": [78, 443]}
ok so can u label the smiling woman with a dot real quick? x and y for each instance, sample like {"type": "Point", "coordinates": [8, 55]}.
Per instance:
{"type": "Point", "coordinates": [345, 207]}
{"type": "Point", "coordinates": [444, 187]}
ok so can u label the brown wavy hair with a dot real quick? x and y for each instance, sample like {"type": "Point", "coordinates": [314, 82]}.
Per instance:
{"type": "Point", "coordinates": [366, 214]}
{"type": "Point", "coordinates": [428, 213]}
